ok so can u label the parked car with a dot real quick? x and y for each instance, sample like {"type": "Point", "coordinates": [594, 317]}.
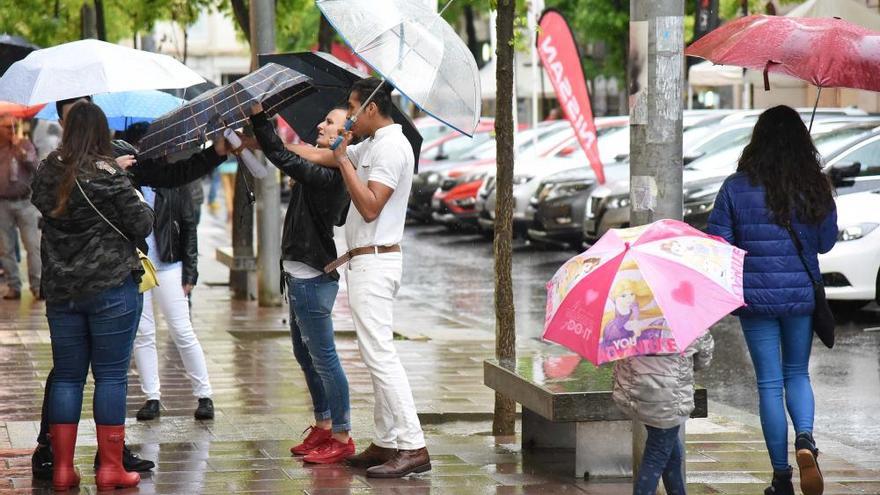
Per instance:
{"type": "Point", "coordinates": [529, 171]}
{"type": "Point", "coordinates": [851, 270]}
{"type": "Point", "coordinates": [558, 207]}
{"type": "Point", "coordinates": [426, 183]}
{"type": "Point", "coordinates": [454, 145]}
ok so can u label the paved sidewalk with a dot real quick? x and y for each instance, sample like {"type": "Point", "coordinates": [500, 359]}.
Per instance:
{"type": "Point", "coordinates": [262, 406]}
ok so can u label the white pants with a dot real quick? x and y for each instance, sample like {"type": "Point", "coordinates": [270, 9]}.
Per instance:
{"type": "Point", "coordinates": [373, 281]}
{"type": "Point", "coordinates": [175, 307]}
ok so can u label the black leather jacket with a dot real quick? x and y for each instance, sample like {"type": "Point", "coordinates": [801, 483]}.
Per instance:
{"type": "Point", "coordinates": [175, 230]}
{"type": "Point", "coordinates": [318, 201]}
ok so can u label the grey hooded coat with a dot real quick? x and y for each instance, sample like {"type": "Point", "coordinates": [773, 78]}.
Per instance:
{"type": "Point", "coordinates": [658, 390]}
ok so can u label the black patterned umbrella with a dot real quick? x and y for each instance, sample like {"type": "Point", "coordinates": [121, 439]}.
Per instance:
{"type": "Point", "coordinates": [228, 106]}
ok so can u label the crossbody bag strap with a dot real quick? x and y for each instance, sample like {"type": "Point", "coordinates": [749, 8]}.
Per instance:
{"type": "Point", "coordinates": [800, 250]}
{"type": "Point", "coordinates": [99, 211]}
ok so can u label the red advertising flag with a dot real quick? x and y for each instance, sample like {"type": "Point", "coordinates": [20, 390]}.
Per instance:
{"type": "Point", "coordinates": [561, 59]}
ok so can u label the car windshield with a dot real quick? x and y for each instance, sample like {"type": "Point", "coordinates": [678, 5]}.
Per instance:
{"type": "Point", "coordinates": [460, 147]}
{"type": "Point", "coordinates": [834, 141]}
{"type": "Point", "coordinates": [826, 141]}
{"type": "Point", "coordinates": [737, 136]}
{"type": "Point", "coordinates": [525, 140]}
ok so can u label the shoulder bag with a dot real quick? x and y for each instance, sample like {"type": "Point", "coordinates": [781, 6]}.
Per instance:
{"type": "Point", "coordinates": [149, 278]}
{"type": "Point", "coordinates": [823, 318]}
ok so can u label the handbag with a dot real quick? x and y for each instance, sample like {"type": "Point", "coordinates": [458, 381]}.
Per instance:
{"type": "Point", "coordinates": [823, 318]}
{"type": "Point", "coordinates": [149, 279]}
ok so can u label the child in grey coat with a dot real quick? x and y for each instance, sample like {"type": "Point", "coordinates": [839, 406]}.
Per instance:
{"type": "Point", "coordinates": [658, 390]}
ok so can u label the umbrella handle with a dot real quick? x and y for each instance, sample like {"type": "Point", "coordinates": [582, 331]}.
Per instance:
{"type": "Point", "coordinates": [348, 124]}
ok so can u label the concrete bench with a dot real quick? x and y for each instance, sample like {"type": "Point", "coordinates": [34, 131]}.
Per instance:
{"type": "Point", "coordinates": [242, 273]}
{"type": "Point", "coordinates": [224, 255]}
{"type": "Point", "coordinates": [566, 404]}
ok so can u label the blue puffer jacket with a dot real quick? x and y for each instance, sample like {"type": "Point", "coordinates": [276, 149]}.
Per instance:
{"type": "Point", "coordinates": [774, 281]}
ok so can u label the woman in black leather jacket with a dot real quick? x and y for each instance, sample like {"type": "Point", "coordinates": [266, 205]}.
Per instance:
{"type": "Point", "coordinates": [173, 248]}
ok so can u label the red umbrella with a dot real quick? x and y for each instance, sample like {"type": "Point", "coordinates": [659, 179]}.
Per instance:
{"type": "Point", "coordinates": [19, 111]}
{"type": "Point", "coordinates": [828, 53]}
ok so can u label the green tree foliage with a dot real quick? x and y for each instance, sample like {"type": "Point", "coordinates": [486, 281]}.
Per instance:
{"type": "Point", "coordinates": [51, 22]}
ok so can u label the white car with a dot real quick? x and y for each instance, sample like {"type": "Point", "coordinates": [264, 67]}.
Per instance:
{"type": "Point", "coordinates": [851, 269]}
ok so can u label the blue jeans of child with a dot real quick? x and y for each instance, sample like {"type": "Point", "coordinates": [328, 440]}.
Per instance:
{"type": "Point", "coordinates": [780, 350]}
{"type": "Point", "coordinates": [663, 457]}
{"type": "Point", "coordinates": [311, 329]}
{"type": "Point", "coordinates": [96, 331]}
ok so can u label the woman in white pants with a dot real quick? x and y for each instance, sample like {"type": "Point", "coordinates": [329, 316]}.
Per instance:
{"type": "Point", "coordinates": [174, 250]}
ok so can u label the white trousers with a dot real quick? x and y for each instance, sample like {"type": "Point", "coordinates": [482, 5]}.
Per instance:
{"type": "Point", "coordinates": [175, 307]}
{"type": "Point", "coordinates": [373, 281]}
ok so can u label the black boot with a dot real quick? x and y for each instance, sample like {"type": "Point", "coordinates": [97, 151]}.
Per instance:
{"type": "Point", "coordinates": [812, 482]}
{"type": "Point", "coordinates": [205, 409]}
{"type": "Point", "coordinates": [130, 461]}
{"type": "Point", "coordinates": [41, 462]}
{"type": "Point", "coordinates": [781, 484]}
{"type": "Point", "coordinates": [149, 411]}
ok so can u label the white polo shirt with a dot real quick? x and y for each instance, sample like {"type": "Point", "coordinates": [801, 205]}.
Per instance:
{"type": "Point", "coordinates": [386, 158]}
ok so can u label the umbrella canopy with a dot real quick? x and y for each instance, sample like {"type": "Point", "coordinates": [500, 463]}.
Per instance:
{"type": "Point", "coordinates": [415, 50]}
{"type": "Point", "coordinates": [332, 79]}
{"type": "Point", "coordinates": [19, 111]}
{"type": "Point", "coordinates": [126, 108]}
{"type": "Point", "coordinates": [89, 67]}
{"type": "Point", "coordinates": [824, 52]}
{"type": "Point", "coordinates": [225, 107]}
{"type": "Point", "coordinates": [192, 92]}
{"type": "Point", "coordinates": [645, 290]}
{"type": "Point", "coordinates": [13, 49]}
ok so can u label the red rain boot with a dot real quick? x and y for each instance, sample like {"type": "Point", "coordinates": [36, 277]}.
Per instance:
{"type": "Point", "coordinates": [64, 475]}
{"type": "Point", "coordinates": [111, 474]}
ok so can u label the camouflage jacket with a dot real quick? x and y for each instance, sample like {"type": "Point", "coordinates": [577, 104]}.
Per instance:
{"type": "Point", "coordinates": [81, 254]}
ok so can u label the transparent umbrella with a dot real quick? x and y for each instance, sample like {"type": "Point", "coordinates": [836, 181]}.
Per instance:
{"type": "Point", "coordinates": [416, 51]}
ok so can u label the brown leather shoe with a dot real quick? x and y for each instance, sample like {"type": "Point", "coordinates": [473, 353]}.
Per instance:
{"type": "Point", "coordinates": [12, 295]}
{"type": "Point", "coordinates": [404, 463]}
{"type": "Point", "coordinates": [371, 456]}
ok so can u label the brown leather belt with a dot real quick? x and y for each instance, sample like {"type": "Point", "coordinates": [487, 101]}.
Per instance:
{"type": "Point", "coordinates": [345, 258]}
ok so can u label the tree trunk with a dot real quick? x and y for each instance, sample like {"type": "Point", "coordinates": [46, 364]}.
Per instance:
{"type": "Point", "coordinates": [241, 11]}
{"type": "Point", "coordinates": [100, 23]}
{"type": "Point", "coordinates": [471, 30]}
{"type": "Point", "coordinates": [505, 324]}
{"type": "Point", "coordinates": [325, 36]}
{"type": "Point", "coordinates": [87, 22]}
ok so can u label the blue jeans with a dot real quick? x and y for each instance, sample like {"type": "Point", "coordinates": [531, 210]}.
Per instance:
{"type": "Point", "coordinates": [776, 370]}
{"type": "Point", "coordinates": [663, 457]}
{"type": "Point", "coordinates": [311, 329]}
{"type": "Point", "coordinates": [99, 331]}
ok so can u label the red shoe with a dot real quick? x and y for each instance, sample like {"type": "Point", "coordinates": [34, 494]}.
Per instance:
{"type": "Point", "coordinates": [331, 452]}
{"type": "Point", "coordinates": [317, 437]}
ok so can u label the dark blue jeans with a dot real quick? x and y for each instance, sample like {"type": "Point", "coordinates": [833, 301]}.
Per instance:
{"type": "Point", "coordinates": [780, 350]}
{"type": "Point", "coordinates": [99, 331]}
{"type": "Point", "coordinates": [311, 329]}
{"type": "Point", "coordinates": [663, 457]}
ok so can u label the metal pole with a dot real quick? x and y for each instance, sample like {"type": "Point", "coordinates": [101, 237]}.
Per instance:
{"type": "Point", "coordinates": [657, 53]}
{"type": "Point", "coordinates": [268, 191]}
{"type": "Point", "coordinates": [656, 62]}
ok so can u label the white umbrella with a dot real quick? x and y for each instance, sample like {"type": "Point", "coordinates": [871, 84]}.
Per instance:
{"type": "Point", "coordinates": [416, 51]}
{"type": "Point", "coordinates": [88, 67]}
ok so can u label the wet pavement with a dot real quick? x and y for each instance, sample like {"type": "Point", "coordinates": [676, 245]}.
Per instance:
{"type": "Point", "coordinates": [445, 321]}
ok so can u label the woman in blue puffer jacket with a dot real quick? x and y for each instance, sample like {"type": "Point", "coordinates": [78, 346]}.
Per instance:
{"type": "Point", "coordinates": [779, 182]}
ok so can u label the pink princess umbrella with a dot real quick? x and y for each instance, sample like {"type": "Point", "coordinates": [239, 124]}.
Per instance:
{"type": "Point", "coordinates": [652, 289]}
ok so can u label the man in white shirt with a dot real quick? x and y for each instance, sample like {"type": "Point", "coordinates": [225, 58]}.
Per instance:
{"type": "Point", "coordinates": [378, 175]}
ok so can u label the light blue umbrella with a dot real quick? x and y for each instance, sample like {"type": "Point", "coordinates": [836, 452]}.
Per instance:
{"type": "Point", "coordinates": [126, 108]}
